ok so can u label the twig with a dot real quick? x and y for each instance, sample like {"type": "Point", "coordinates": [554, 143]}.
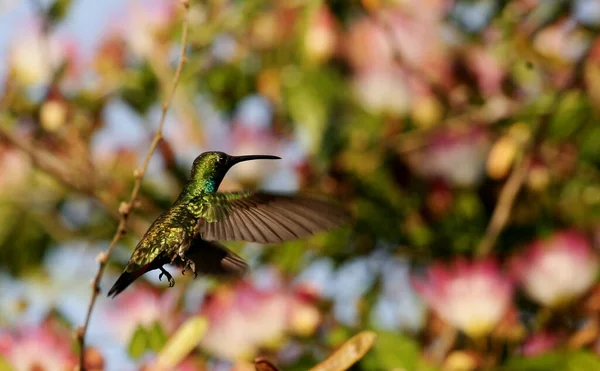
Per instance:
{"type": "Point", "coordinates": [47, 162]}
{"type": "Point", "coordinates": [58, 169]}
{"type": "Point", "coordinates": [126, 207]}
{"type": "Point", "coordinates": [513, 185]}
{"type": "Point", "coordinates": [509, 193]}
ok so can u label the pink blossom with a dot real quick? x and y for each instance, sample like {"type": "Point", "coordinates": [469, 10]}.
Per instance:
{"type": "Point", "coordinates": [147, 24]}
{"type": "Point", "coordinates": [38, 348]}
{"type": "Point", "coordinates": [455, 155]}
{"type": "Point", "coordinates": [487, 69]}
{"type": "Point", "coordinates": [16, 166]}
{"type": "Point", "coordinates": [556, 270]}
{"type": "Point", "coordinates": [383, 91]}
{"type": "Point", "coordinates": [321, 39]}
{"type": "Point", "coordinates": [539, 343]}
{"type": "Point", "coordinates": [367, 45]}
{"type": "Point", "coordinates": [472, 297]}
{"type": "Point", "coordinates": [244, 318]}
{"type": "Point", "coordinates": [561, 40]}
{"type": "Point", "coordinates": [373, 41]}
{"type": "Point", "coordinates": [141, 305]}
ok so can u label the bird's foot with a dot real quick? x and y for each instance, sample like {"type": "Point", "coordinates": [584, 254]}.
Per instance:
{"type": "Point", "coordinates": [168, 275]}
{"type": "Point", "coordinates": [190, 263]}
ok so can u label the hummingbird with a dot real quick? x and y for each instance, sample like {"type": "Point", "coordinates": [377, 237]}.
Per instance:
{"type": "Point", "coordinates": [187, 234]}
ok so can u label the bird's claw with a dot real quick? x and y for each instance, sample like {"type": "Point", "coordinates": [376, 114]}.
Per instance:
{"type": "Point", "coordinates": [168, 275]}
{"type": "Point", "coordinates": [190, 263]}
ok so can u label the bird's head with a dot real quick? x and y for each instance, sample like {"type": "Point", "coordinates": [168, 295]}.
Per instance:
{"type": "Point", "coordinates": [209, 168]}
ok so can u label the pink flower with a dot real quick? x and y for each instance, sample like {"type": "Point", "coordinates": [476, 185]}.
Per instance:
{"type": "Point", "coordinates": [148, 24]}
{"type": "Point", "coordinates": [142, 305]}
{"type": "Point", "coordinates": [417, 37]}
{"type": "Point", "coordinates": [487, 69]}
{"type": "Point", "coordinates": [456, 155]}
{"type": "Point", "coordinates": [367, 45]}
{"type": "Point", "coordinates": [38, 348]}
{"type": "Point", "coordinates": [562, 40]}
{"type": "Point", "coordinates": [383, 91]}
{"type": "Point", "coordinates": [16, 167]}
{"type": "Point", "coordinates": [539, 343]}
{"type": "Point", "coordinates": [321, 38]}
{"type": "Point", "coordinates": [557, 270]}
{"type": "Point", "coordinates": [472, 297]}
{"type": "Point", "coordinates": [244, 318]}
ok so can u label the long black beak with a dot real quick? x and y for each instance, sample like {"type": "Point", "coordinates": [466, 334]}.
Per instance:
{"type": "Point", "coordinates": [236, 159]}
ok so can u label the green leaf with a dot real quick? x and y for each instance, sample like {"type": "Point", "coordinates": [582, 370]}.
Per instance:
{"type": "Point", "coordinates": [139, 343]}
{"type": "Point", "coordinates": [590, 143]}
{"type": "Point", "coordinates": [140, 89]}
{"type": "Point", "coordinates": [310, 95]}
{"type": "Point", "coordinates": [182, 342]}
{"type": "Point", "coordinates": [157, 337]}
{"type": "Point", "coordinates": [559, 361]}
{"type": "Point", "coordinates": [58, 10]}
{"type": "Point", "coordinates": [5, 365]}
{"type": "Point", "coordinates": [540, 363]}
{"type": "Point", "coordinates": [571, 113]}
{"type": "Point", "coordinates": [583, 360]}
{"type": "Point", "coordinates": [393, 351]}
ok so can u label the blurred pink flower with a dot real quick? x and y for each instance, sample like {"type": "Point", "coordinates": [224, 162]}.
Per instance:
{"type": "Point", "coordinates": [321, 38]}
{"type": "Point", "coordinates": [539, 343]}
{"type": "Point", "coordinates": [562, 41]}
{"type": "Point", "coordinates": [244, 318]}
{"type": "Point", "coordinates": [16, 167]}
{"type": "Point", "coordinates": [416, 36]}
{"type": "Point", "coordinates": [38, 348]}
{"type": "Point", "coordinates": [147, 25]}
{"type": "Point", "coordinates": [455, 155]}
{"type": "Point", "coordinates": [487, 69]}
{"type": "Point", "coordinates": [35, 57]}
{"type": "Point", "coordinates": [142, 305]}
{"type": "Point", "coordinates": [367, 45]}
{"type": "Point", "coordinates": [383, 91]}
{"type": "Point", "coordinates": [472, 297]}
{"type": "Point", "coordinates": [556, 270]}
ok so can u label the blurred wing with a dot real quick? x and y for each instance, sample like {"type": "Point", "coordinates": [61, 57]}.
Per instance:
{"type": "Point", "coordinates": [212, 258]}
{"type": "Point", "coordinates": [266, 218]}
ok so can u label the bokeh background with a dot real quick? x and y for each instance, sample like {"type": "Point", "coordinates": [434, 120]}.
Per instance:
{"type": "Point", "coordinates": [462, 135]}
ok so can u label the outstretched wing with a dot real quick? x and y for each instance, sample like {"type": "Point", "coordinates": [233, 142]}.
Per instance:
{"type": "Point", "coordinates": [264, 217]}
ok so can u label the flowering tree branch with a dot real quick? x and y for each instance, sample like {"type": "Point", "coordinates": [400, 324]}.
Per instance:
{"type": "Point", "coordinates": [126, 207]}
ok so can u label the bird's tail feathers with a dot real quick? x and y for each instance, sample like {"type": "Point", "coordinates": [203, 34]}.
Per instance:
{"type": "Point", "coordinates": [125, 279]}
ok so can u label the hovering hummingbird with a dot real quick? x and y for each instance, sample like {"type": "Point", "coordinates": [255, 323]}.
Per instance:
{"type": "Point", "coordinates": [185, 235]}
